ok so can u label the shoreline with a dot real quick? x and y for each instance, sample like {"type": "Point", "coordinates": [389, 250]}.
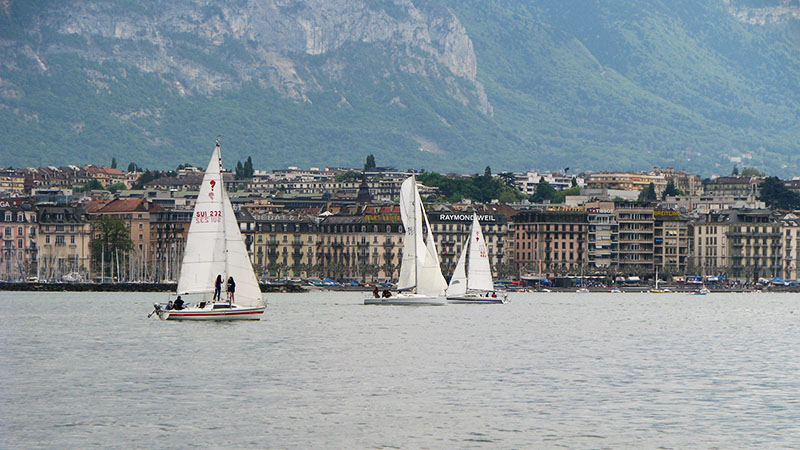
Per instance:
{"type": "Point", "coordinates": [124, 287]}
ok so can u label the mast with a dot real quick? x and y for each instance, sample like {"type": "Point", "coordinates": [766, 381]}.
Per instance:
{"type": "Point", "coordinates": [223, 214]}
{"type": "Point", "coordinates": [416, 232]}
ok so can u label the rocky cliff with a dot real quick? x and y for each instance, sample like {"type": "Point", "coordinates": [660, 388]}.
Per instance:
{"type": "Point", "coordinates": [442, 84]}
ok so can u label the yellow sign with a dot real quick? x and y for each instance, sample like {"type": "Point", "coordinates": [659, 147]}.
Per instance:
{"type": "Point", "coordinates": [666, 213]}
{"type": "Point", "coordinates": [562, 208]}
{"type": "Point", "coordinates": [382, 218]}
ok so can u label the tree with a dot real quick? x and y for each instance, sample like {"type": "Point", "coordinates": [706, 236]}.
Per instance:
{"type": "Point", "coordinates": [735, 171]}
{"type": "Point", "coordinates": [92, 185]}
{"type": "Point", "coordinates": [648, 194]}
{"type": "Point", "coordinates": [574, 182]}
{"type": "Point", "coordinates": [671, 190]}
{"type": "Point", "coordinates": [117, 187]}
{"type": "Point", "coordinates": [132, 167]}
{"type": "Point", "coordinates": [487, 172]}
{"type": "Point", "coordinates": [776, 195]}
{"type": "Point", "coordinates": [350, 175]}
{"type": "Point", "coordinates": [544, 192]}
{"type": "Point", "coordinates": [752, 172]}
{"type": "Point", "coordinates": [146, 177]}
{"type": "Point", "coordinates": [113, 163]}
{"type": "Point", "coordinates": [561, 196]}
{"type": "Point", "coordinates": [248, 168]}
{"type": "Point", "coordinates": [370, 163]}
{"type": "Point", "coordinates": [111, 235]}
{"type": "Point", "coordinates": [239, 170]}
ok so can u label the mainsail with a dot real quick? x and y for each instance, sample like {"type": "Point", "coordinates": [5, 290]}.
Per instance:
{"type": "Point", "coordinates": [475, 273]}
{"type": "Point", "coordinates": [479, 273]}
{"type": "Point", "coordinates": [419, 269]}
{"type": "Point", "coordinates": [204, 256]}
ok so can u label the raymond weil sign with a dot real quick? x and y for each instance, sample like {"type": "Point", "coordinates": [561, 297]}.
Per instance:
{"type": "Point", "coordinates": [464, 217]}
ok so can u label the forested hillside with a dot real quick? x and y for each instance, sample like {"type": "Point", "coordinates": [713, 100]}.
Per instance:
{"type": "Point", "coordinates": [438, 84]}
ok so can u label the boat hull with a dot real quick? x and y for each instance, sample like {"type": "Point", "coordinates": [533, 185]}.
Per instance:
{"type": "Point", "coordinates": [235, 313]}
{"type": "Point", "coordinates": [407, 300]}
{"type": "Point", "coordinates": [476, 299]}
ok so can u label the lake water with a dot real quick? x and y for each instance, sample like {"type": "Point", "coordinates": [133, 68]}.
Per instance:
{"type": "Point", "coordinates": [323, 371]}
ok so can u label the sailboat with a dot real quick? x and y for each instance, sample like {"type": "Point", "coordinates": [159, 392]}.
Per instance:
{"type": "Point", "coordinates": [214, 246]}
{"type": "Point", "coordinates": [421, 281]}
{"type": "Point", "coordinates": [472, 279]}
{"type": "Point", "coordinates": [656, 290]}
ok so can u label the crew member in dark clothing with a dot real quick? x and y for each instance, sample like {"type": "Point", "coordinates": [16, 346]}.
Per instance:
{"type": "Point", "coordinates": [386, 293]}
{"type": "Point", "coordinates": [231, 289]}
{"type": "Point", "coordinates": [375, 293]}
{"type": "Point", "coordinates": [178, 303]}
{"type": "Point", "coordinates": [217, 287]}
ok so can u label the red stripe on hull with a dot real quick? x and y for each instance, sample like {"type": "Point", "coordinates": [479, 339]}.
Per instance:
{"type": "Point", "coordinates": [214, 314]}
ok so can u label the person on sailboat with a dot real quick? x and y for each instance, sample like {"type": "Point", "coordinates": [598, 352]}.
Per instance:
{"type": "Point", "coordinates": [217, 287]}
{"type": "Point", "coordinates": [231, 289]}
{"type": "Point", "coordinates": [169, 305]}
{"type": "Point", "coordinates": [178, 303]}
{"type": "Point", "coordinates": [375, 292]}
{"type": "Point", "coordinates": [386, 293]}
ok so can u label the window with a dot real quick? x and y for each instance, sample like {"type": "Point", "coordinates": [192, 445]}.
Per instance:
{"type": "Point", "coordinates": [19, 231]}
{"type": "Point", "coordinates": [141, 226]}
{"type": "Point", "coordinates": [8, 217]}
{"type": "Point", "coordinates": [19, 243]}
{"type": "Point", "coordinates": [141, 236]}
{"type": "Point", "coordinates": [60, 240]}
{"type": "Point", "coordinates": [47, 239]}
{"type": "Point", "coordinates": [72, 239]}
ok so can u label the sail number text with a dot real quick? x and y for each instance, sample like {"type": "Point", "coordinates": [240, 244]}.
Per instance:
{"type": "Point", "coordinates": [208, 216]}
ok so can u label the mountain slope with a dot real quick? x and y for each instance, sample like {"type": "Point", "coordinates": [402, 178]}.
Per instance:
{"type": "Point", "coordinates": [440, 84]}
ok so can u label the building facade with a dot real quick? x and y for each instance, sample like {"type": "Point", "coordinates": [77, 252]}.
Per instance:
{"type": "Point", "coordinates": [550, 243]}
{"type": "Point", "coordinates": [18, 250]}
{"type": "Point", "coordinates": [63, 243]}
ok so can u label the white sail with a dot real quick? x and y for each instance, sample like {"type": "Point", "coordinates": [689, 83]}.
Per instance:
{"type": "Point", "coordinates": [431, 281]}
{"type": "Point", "coordinates": [411, 223]}
{"type": "Point", "coordinates": [479, 272]}
{"type": "Point", "coordinates": [458, 282]}
{"type": "Point", "coordinates": [237, 262]}
{"type": "Point", "coordinates": [204, 255]}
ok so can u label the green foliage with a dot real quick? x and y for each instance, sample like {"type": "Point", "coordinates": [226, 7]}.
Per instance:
{"type": "Point", "coordinates": [649, 83]}
{"type": "Point", "coordinates": [735, 171]}
{"type": "Point", "coordinates": [113, 163]}
{"type": "Point", "coordinates": [671, 190]}
{"type": "Point", "coordinates": [648, 194]}
{"type": "Point", "coordinates": [91, 185]}
{"type": "Point", "coordinates": [183, 166]}
{"type": "Point", "coordinates": [775, 194]}
{"type": "Point", "coordinates": [350, 175]}
{"type": "Point", "coordinates": [544, 192]}
{"type": "Point", "coordinates": [752, 172]}
{"type": "Point", "coordinates": [476, 188]}
{"type": "Point", "coordinates": [146, 177]}
{"type": "Point", "coordinates": [117, 187]}
{"type": "Point", "coordinates": [110, 235]}
{"type": "Point", "coordinates": [370, 163]}
{"type": "Point", "coordinates": [561, 196]}
{"type": "Point", "coordinates": [245, 170]}
{"type": "Point", "coordinates": [132, 167]}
